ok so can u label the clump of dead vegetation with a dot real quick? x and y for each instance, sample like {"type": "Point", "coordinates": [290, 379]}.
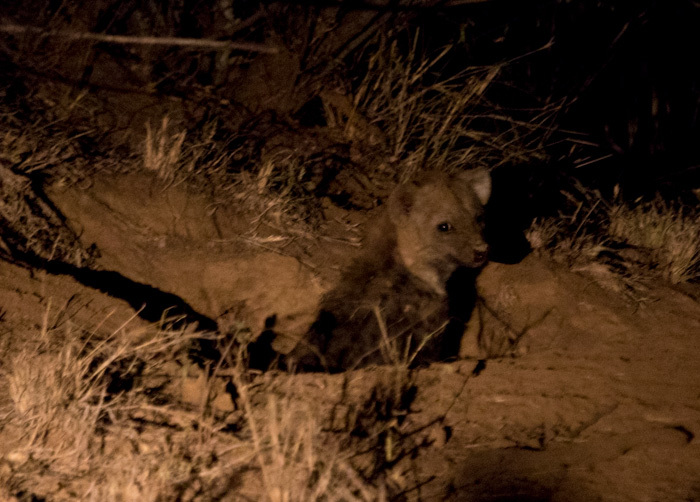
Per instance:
{"type": "Point", "coordinates": [90, 419]}
{"type": "Point", "coordinates": [298, 458]}
{"type": "Point", "coordinates": [623, 241]}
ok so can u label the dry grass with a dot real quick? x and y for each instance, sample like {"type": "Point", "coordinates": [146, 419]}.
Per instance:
{"type": "Point", "coordinates": [277, 192]}
{"type": "Point", "coordinates": [162, 152]}
{"type": "Point", "coordinates": [30, 225]}
{"type": "Point", "coordinates": [297, 460]}
{"type": "Point", "coordinates": [176, 154]}
{"type": "Point", "coordinates": [398, 118]}
{"type": "Point", "coordinates": [114, 418]}
{"type": "Point", "coordinates": [670, 232]}
{"type": "Point", "coordinates": [434, 122]}
{"type": "Point", "coordinates": [87, 425]}
{"type": "Point", "coordinates": [49, 130]}
{"type": "Point", "coordinates": [655, 239]}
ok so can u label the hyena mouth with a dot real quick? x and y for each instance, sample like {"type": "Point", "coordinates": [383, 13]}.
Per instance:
{"type": "Point", "coordinates": [480, 257]}
{"type": "Point", "coordinates": [451, 263]}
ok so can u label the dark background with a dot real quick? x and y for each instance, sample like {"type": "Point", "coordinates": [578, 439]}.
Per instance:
{"type": "Point", "coordinates": [624, 75]}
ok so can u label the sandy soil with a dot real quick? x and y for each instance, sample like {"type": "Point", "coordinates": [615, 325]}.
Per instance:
{"type": "Point", "coordinates": [586, 395]}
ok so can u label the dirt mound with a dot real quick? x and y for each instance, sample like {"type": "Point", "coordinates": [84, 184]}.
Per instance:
{"type": "Point", "coordinates": [584, 395]}
{"type": "Point", "coordinates": [180, 241]}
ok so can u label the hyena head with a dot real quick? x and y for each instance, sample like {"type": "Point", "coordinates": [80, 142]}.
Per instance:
{"type": "Point", "coordinates": [439, 225]}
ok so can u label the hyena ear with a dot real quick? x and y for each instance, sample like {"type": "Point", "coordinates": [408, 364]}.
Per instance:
{"type": "Point", "coordinates": [401, 201]}
{"type": "Point", "coordinates": [479, 180]}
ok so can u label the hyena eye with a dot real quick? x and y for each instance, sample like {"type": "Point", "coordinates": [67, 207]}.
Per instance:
{"type": "Point", "coordinates": [445, 226]}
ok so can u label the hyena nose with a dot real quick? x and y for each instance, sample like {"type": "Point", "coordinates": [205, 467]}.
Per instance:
{"type": "Point", "coordinates": [481, 253]}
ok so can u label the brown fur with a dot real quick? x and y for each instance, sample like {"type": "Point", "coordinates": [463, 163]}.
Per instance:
{"type": "Point", "coordinates": [413, 284]}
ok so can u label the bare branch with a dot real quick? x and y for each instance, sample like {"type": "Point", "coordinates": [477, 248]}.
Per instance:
{"type": "Point", "coordinates": [124, 39]}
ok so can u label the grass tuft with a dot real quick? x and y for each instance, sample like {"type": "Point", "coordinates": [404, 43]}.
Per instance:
{"type": "Point", "coordinates": [670, 232]}
{"type": "Point", "coordinates": [643, 240]}
{"type": "Point", "coordinates": [163, 150]}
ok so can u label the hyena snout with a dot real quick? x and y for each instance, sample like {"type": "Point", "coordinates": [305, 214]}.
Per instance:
{"type": "Point", "coordinates": [480, 254]}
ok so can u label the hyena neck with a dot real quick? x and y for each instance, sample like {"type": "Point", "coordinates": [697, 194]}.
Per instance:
{"type": "Point", "coordinates": [426, 277]}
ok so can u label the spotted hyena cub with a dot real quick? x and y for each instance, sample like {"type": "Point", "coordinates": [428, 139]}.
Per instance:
{"type": "Point", "coordinates": [408, 296]}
